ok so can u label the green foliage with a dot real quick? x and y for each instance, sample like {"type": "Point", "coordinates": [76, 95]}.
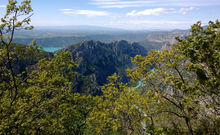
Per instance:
{"type": "Point", "coordinates": [10, 22]}
{"type": "Point", "coordinates": [122, 110]}
{"type": "Point", "coordinates": [186, 79]}
{"type": "Point", "coordinates": [170, 82]}
{"type": "Point", "coordinates": [202, 48]}
{"type": "Point", "coordinates": [181, 95]}
{"type": "Point", "coordinates": [38, 98]}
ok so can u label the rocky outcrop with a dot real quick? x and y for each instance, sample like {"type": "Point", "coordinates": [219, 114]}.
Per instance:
{"type": "Point", "coordinates": [98, 60]}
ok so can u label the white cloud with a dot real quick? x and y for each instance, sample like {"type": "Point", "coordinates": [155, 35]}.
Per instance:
{"type": "Point", "coordinates": [2, 6]}
{"type": "Point", "coordinates": [89, 13]}
{"type": "Point", "coordinates": [156, 11]}
{"type": "Point", "coordinates": [150, 3]}
{"type": "Point", "coordinates": [66, 9]}
{"type": "Point", "coordinates": [120, 3]}
{"type": "Point", "coordinates": [186, 10]}
{"type": "Point", "coordinates": [159, 11]}
{"type": "Point", "coordinates": [119, 6]}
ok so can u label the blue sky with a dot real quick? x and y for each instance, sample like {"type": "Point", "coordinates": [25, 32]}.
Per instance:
{"type": "Point", "coordinates": [126, 14]}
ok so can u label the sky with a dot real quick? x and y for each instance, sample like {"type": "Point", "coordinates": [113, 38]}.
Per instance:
{"type": "Point", "coordinates": [124, 14]}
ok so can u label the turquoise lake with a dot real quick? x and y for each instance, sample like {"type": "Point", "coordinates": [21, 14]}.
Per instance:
{"type": "Point", "coordinates": [51, 49]}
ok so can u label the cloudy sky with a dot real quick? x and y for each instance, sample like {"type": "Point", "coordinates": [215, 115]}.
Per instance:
{"type": "Point", "coordinates": [126, 14]}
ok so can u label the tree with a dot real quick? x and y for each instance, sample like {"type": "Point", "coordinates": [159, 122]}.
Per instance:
{"type": "Point", "coordinates": [122, 110]}
{"type": "Point", "coordinates": [16, 18]}
{"type": "Point", "coordinates": [36, 88]}
{"type": "Point", "coordinates": [170, 81]}
{"type": "Point", "coordinates": [30, 95]}
{"type": "Point", "coordinates": [202, 50]}
{"type": "Point", "coordinates": [35, 108]}
{"type": "Point", "coordinates": [186, 78]}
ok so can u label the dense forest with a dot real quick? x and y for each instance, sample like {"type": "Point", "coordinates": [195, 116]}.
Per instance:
{"type": "Point", "coordinates": [170, 91]}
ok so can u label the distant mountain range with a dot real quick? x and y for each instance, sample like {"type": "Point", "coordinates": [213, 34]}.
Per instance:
{"type": "Point", "coordinates": [166, 36]}
{"type": "Point", "coordinates": [78, 28]}
{"type": "Point", "coordinates": [64, 36]}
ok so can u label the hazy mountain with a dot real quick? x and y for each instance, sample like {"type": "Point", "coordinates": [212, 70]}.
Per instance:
{"type": "Point", "coordinates": [66, 41]}
{"type": "Point", "coordinates": [166, 36]}
{"type": "Point", "coordinates": [78, 28]}
{"type": "Point", "coordinates": [61, 37]}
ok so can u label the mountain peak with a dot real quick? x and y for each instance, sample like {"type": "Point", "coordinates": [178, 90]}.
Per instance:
{"type": "Point", "coordinates": [100, 60]}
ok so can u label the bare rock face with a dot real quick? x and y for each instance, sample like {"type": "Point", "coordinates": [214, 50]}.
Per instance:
{"type": "Point", "coordinates": [97, 61]}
